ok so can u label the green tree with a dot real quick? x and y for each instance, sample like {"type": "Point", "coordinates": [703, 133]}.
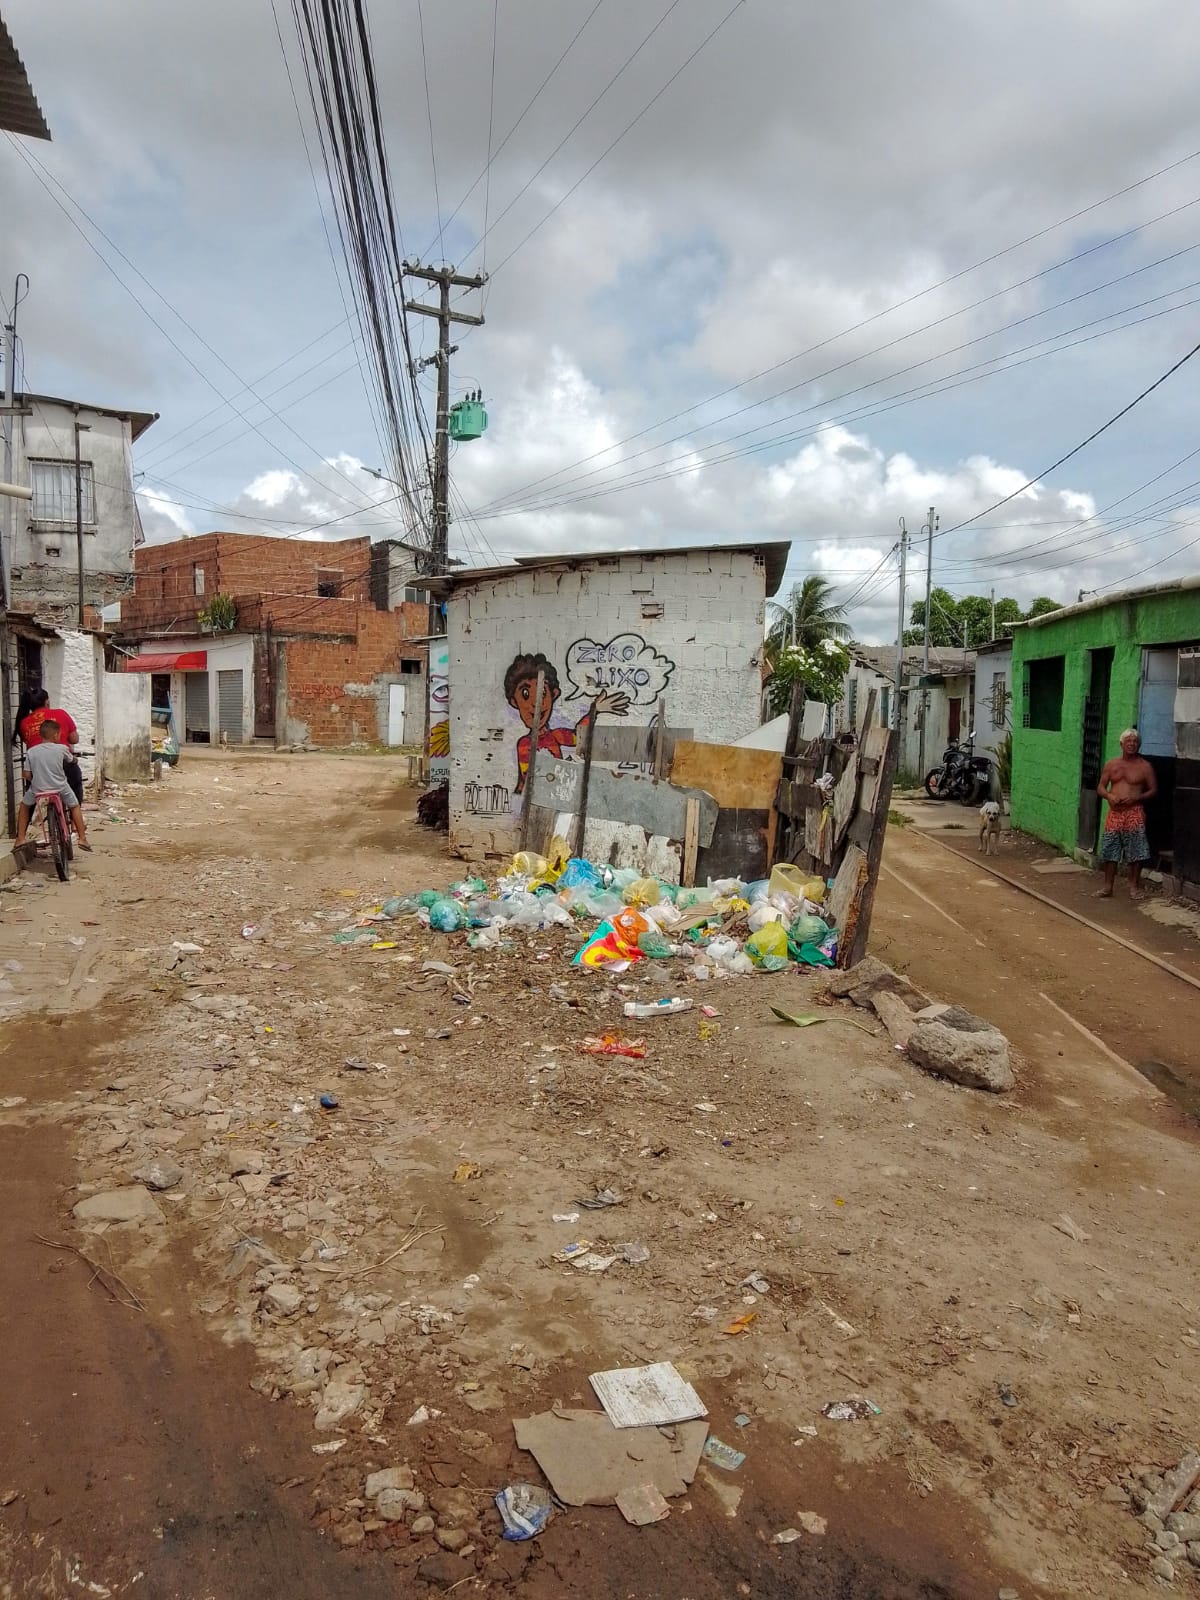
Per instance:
{"type": "Point", "coordinates": [808, 616]}
{"type": "Point", "coordinates": [964, 623]}
{"type": "Point", "coordinates": [821, 670]}
{"type": "Point", "coordinates": [1041, 606]}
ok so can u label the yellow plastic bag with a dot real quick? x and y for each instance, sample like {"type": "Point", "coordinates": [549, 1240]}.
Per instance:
{"type": "Point", "coordinates": [528, 863]}
{"type": "Point", "coordinates": [642, 892]}
{"type": "Point", "coordinates": [543, 871]}
{"type": "Point", "coordinates": [814, 890]}
{"type": "Point", "coordinates": [770, 940]}
{"type": "Point", "coordinates": [786, 878]}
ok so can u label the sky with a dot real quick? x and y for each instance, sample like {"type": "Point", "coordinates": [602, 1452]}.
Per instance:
{"type": "Point", "coordinates": [758, 271]}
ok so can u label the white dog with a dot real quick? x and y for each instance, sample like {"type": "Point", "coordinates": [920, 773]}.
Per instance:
{"type": "Point", "coordinates": [989, 826]}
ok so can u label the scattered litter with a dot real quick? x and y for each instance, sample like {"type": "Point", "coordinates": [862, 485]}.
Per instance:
{"type": "Point", "coordinates": [250, 930]}
{"type": "Point", "coordinates": [356, 1064]}
{"type": "Point", "coordinates": [438, 966]}
{"type": "Point", "coordinates": [525, 1509]}
{"type": "Point", "coordinates": [849, 1410]}
{"type": "Point", "coordinates": [806, 1019]}
{"type": "Point", "coordinates": [740, 1324]}
{"type": "Point", "coordinates": [642, 1504]}
{"type": "Point", "coordinates": [649, 1396]}
{"type": "Point", "coordinates": [602, 1199]}
{"type": "Point", "coordinates": [722, 1455]}
{"type": "Point", "coordinates": [564, 1216]}
{"type": "Point", "coordinates": [329, 1446]}
{"type": "Point", "coordinates": [656, 1008]}
{"type": "Point", "coordinates": [588, 1461]}
{"type": "Point", "coordinates": [1007, 1397]}
{"type": "Point", "coordinates": [182, 945]}
{"type": "Point", "coordinates": [708, 1031]}
{"type": "Point", "coordinates": [571, 1252]}
{"type": "Point", "coordinates": [1071, 1228]}
{"type": "Point", "coordinates": [385, 944]}
{"type": "Point", "coordinates": [465, 1171]}
{"type": "Point", "coordinates": [709, 1011]}
{"type": "Point", "coordinates": [610, 1044]}
{"type": "Point", "coordinates": [742, 1420]}
{"type": "Point", "coordinates": [592, 1262]}
{"type": "Point", "coordinates": [807, 1431]}
{"type": "Point", "coordinates": [329, 1102]}
{"type": "Point", "coordinates": [402, 1033]}
{"type": "Point", "coordinates": [706, 1313]}
{"type": "Point", "coordinates": [420, 1416]}
{"type": "Point", "coordinates": [757, 1282]}
{"type": "Point", "coordinates": [704, 1105]}
{"type": "Point", "coordinates": [809, 1521]}
{"type": "Point", "coordinates": [634, 1253]}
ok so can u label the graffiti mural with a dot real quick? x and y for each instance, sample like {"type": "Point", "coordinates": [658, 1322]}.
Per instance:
{"type": "Point", "coordinates": [439, 711]}
{"type": "Point", "coordinates": [626, 665]}
{"type": "Point", "coordinates": [487, 799]}
{"type": "Point", "coordinates": [520, 690]}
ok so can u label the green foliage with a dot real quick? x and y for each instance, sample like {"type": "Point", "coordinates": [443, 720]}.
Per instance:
{"type": "Point", "coordinates": [965, 623]}
{"type": "Point", "coordinates": [821, 671]}
{"type": "Point", "coordinates": [808, 616]}
{"type": "Point", "coordinates": [220, 614]}
{"type": "Point", "coordinates": [1004, 762]}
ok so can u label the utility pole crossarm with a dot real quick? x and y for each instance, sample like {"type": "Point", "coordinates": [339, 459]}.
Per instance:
{"type": "Point", "coordinates": [444, 275]}
{"type": "Point", "coordinates": [436, 311]}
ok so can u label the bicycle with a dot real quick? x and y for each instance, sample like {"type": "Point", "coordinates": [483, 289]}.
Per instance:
{"type": "Point", "coordinates": [50, 813]}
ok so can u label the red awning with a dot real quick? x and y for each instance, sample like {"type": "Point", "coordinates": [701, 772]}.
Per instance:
{"type": "Point", "coordinates": [182, 661]}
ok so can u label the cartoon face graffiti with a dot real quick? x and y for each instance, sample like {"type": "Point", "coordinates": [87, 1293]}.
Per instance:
{"type": "Point", "coordinates": [520, 690]}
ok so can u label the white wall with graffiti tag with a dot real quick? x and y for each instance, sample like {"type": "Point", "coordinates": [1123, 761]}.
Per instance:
{"type": "Point", "coordinates": [611, 636]}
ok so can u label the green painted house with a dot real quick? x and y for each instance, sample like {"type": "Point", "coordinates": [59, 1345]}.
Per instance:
{"type": "Point", "coordinates": [1083, 674]}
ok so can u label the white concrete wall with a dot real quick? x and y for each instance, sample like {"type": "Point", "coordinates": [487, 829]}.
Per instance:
{"type": "Point", "coordinates": [48, 434]}
{"type": "Point", "coordinates": [69, 667]}
{"type": "Point", "coordinates": [226, 653]}
{"type": "Point", "coordinates": [702, 612]}
{"type": "Point", "coordinates": [123, 750]}
{"type": "Point", "coordinates": [988, 665]}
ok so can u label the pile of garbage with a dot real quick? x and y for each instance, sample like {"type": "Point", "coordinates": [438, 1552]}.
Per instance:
{"type": "Point", "coordinates": [726, 928]}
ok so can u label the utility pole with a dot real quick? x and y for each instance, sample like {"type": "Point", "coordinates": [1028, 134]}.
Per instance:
{"type": "Point", "coordinates": [993, 638]}
{"type": "Point", "coordinates": [929, 528]}
{"type": "Point", "coordinates": [900, 633]}
{"type": "Point", "coordinates": [80, 427]}
{"type": "Point", "coordinates": [8, 492]}
{"type": "Point", "coordinates": [446, 279]}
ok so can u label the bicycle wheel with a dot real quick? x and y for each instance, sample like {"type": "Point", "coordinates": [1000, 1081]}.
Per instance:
{"type": "Point", "coordinates": [59, 842]}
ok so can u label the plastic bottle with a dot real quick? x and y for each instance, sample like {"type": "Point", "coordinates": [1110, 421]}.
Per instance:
{"type": "Point", "coordinates": [656, 1008]}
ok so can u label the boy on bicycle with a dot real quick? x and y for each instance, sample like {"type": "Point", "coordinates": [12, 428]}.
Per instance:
{"type": "Point", "coordinates": [44, 774]}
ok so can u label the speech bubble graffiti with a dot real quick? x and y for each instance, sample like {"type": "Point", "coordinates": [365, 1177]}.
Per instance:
{"type": "Point", "coordinates": [625, 665]}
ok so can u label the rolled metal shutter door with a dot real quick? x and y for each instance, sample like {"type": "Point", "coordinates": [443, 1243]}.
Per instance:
{"type": "Point", "coordinates": [229, 705]}
{"type": "Point", "coordinates": [195, 702]}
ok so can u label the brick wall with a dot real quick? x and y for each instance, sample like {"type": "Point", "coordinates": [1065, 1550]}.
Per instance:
{"type": "Point", "coordinates": [237, 565]}
{"type": "Point", "coordinates": [335, 691]}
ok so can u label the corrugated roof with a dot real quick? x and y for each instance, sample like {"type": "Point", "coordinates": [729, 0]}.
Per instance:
{"type": "Point", "coordinates": [19, 110]}
{"type": "Point", "coordinates": [774, 557]}
{"type": "Point", "coordinates": [943, 663]}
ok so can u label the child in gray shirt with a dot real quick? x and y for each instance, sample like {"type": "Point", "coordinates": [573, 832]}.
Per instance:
{"type": "Point", "coordinates": [44, 774]}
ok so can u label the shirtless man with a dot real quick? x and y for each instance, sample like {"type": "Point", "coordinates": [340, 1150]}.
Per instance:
{"type": "Point", "coordinates": [1126, 783]}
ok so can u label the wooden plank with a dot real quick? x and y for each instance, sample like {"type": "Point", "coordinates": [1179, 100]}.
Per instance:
{"type": "Point", "coordinates": [660, 725]}
{"type": "Point", "coordinates": [691, 842]}
{"type": "Point", "coordinates": [585, 784]}
{"type": "Point", "coordinates": [621, 743]}
{"type": "Point", "coordinates": [844, 894]}
{"type": "Point", "coordinates": [866, 899]}
{"type": "Point", "coordinates": [845, 796]}
{"type": "Point", "coordinates": [527, 793]}
{"type": "Point", "coordinates": [812, 832]}
{"type": "Point", "coordinates": [772, 841]}
{"type": "Point", "coordinates": [875, 752]}
{"type": "Point", "coordinates": [743, 779]}
{"type": "Point", "coordinates": [795, 727]}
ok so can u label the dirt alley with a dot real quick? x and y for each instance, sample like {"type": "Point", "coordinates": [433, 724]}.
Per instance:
{"type": "Point", "coordinates": [165, 1444]}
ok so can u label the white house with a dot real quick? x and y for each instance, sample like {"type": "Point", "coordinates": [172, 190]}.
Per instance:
{"type": "Point", "coordinates": [612, 634]}
{"type": "Point", "coordinates": [993, 695]}
{"type": "Point", "coordinates": [41, 541]}
{"type": "Point", "coordinates": [947, 701]}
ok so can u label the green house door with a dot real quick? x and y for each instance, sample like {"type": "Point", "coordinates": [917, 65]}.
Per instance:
{"type": "Point", "coordinates": [1095, 737]}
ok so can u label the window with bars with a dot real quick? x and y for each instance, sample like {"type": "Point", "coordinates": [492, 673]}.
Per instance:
{"type": "Point", "coordinates": [53, 484]}
{"type": "Point", "coordinates": [999, 700]}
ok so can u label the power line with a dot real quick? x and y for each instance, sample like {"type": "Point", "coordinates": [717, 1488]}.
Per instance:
{"type": "Point", "coordinates": [855, 415]}
{"type": "Point", "coordinates": [900, 305]}
{"type": "Point", "coordinates": [429, 118]}
{"type": "Point", "coordinates": [529, 104]}
{"type": "Point", "coordinates": [628, 128]}
{"type": "Point", "coordinates": [487, 166]}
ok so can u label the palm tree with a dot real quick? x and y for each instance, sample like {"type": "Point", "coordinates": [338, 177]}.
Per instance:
{"type": "Point", "coordinates": [809, 616]}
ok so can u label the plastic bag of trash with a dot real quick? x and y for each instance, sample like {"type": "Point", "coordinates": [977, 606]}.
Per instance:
{"type": "Point", "coordinates": [762, 914]}
{"type": "Point", "coordinates": [447, 916]}
{"type": "Point", "coordinates": [721, 951]}
{"type": "Point", "coordinates": [770, 940]}
{"type": "Point", "coordinates": [652, 944]}
{"type": "Point", "coordinates": [614, 942]}
{"type": "Point", "coordinates": [815, 891]}
{"type": "Point", "coordinates": [528, 864]}
{"type": "Point", "coordinates": [579, 874]}
{"type": "Point", "coordinates": [758, 890]}
{"type": "Point", "coordinates": [525, 910]}
{"type": "Point", "coordinates": [807, 929]}
{"type": "Point", "coordinates": [786, 878]}
{"type": "Point", "coordinates": [602, 903]}
{"type": "Point", "coordinates": [525, 1509]}
{"type": "Point", "coordinates": [741, 966]}
{"type": "Point", "coordinates": [642, 892]}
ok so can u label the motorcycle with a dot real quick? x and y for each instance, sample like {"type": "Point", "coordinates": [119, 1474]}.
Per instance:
{"type": "Point", "coordinates": [962, 776]}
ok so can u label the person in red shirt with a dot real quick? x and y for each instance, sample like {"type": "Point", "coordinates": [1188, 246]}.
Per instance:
{"type": "Point", "coordinates": [520, 690]}
{"type": "Point", "coordinates": [29, 730]}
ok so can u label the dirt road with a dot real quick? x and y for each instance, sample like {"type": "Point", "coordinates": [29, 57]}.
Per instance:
{"type": "Point", "coordinates": [159, 1418]}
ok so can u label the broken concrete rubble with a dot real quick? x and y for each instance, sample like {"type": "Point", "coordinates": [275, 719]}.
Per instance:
{"type": "Point", "coordinates": [870, 977]}
{"type": "Point", "coordinates": [118, 1205]}
{"type": "Point", "coordinates": [966, 1050]}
